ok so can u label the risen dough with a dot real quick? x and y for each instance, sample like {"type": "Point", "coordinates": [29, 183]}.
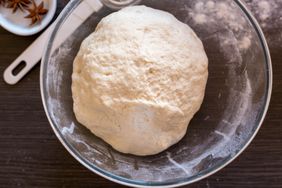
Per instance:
{"type": "Point", "coordinates": [138, 80]}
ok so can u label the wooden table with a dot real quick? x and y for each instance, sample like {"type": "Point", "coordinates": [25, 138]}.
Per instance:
{"type": "Point", "coordinates": [32, 156]}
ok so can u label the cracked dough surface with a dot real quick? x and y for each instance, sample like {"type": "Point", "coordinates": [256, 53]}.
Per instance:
{"type": "Point", "coordinates": [139, 79]}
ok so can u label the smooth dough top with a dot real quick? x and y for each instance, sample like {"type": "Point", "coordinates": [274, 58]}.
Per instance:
{"type": "Point", "coordinates": [139, 79]}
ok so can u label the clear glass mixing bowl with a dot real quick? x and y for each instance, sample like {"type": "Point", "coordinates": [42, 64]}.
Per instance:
{"type": "Point", "coordinates": [237, 94]}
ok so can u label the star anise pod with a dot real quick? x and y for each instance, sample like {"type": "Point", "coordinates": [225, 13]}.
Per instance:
{"type": "Point", "coordinates": [2, 2]}
{"type": "Point", "coordinates": [15, 4]}
{"type": "Point", "coordinates": [36, 13]}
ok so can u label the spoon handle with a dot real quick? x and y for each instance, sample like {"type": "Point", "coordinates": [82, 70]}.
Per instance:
{"type": "Point", "coordinates": [29, 58]}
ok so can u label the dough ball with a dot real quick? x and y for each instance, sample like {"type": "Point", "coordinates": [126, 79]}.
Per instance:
{"type": "Point", "coordinates": [139, 79]}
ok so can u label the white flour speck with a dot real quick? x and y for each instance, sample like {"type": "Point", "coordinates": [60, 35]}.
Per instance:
{"type": "Point", "coordinates": [200, 18]}
{"type": "Point", "coordinates": [222, 134]}
{"type": "Point", "coordinates": [265, 9]}
{"type": "Point", "coordinates": [177, 164]}
{"type": "Point", "coordinates": [206, 118]}
{"type": "Point", "coordinates": [219, 95]}
{"type": "Point", "coordinates": [68, 130]}
{"type": "Point", "coordinates": [245, 43]}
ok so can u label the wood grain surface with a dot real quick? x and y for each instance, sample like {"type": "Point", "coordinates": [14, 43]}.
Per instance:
{"type": "Point", "coordinates": [32, 156]}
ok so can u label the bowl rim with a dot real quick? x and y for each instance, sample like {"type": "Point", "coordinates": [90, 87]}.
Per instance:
{"type": "Point", "coordinates": [176, 183]}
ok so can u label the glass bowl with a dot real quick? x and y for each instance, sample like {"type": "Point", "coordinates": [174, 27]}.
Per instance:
{"type": "Point", "coordinates": [236, 100]}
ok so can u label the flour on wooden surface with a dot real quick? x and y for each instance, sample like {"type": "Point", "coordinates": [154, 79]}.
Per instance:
{"type": "Point", "coordinates": [266, 11]}
{"type": "Point", "coordinates": [269, 15]}
{"type": "Point", "coordinates": [211, 13]}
